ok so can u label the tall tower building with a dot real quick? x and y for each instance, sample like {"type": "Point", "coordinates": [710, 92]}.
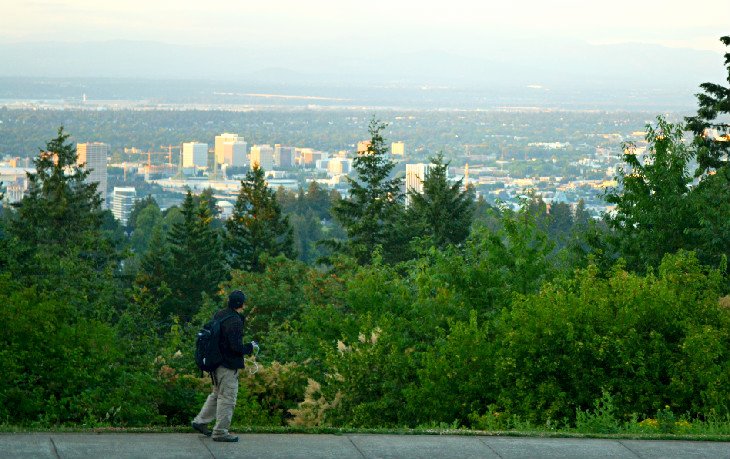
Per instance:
{"type": "Point", "coordinates": [93, 155]}
{"type": "Point", "coordinates": [195, 154]}
{"type": "Point", "coordinates": [234, 153]}
{"type": "Point", "coordinates": [263, 155]}
{"type": "Point", "coordinates": [415, 175]}
{"type": "Point", "coordinates": [283, 156]}
{"type": "Point", "coordinates": [122, 203]}
{"type": "Point", "coordinates": [362, 146]}
{"type": "Point", "coordinates": [222, 139]}
{"type": "Point", "coordinates": [398, 148]}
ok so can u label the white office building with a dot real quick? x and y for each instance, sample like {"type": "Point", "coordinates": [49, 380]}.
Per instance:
{"type": "Point", "coordinates": [234, 153]}
{"type": "Point", "coordinates": [93, 156]}
{"type": "Point", "coordinates": [195, 155]}
{"type": "Point", "coordinates": [339, 166]}
{"type": "Point", "coordinates": [263, 155]}
{"type": "Point", "coordinates": [283, 156]}
{"type": "Point", "coordinates": [398, 148]}
{"type": "Point", "coordinates": [123, 202]}
{"type": "Point", "coordinates": [220, 141]}
{"type": "Point", "coordinates": [415, 175]}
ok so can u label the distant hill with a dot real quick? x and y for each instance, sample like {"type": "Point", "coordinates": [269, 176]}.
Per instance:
{"type": "Point", "coordinates": [551, 70]}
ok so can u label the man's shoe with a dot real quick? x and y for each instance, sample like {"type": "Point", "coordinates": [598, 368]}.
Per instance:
{"type": "Point", "coordinates": [228, 438]}
{"type": "Point", "coordinates": [202, 428]}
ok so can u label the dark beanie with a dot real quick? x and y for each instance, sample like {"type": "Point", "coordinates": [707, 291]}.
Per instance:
{"type": "Point", "coordinates": [236, 299]}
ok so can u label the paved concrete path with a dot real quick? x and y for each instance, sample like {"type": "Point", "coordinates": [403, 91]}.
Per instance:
{"type": "Point", "coordinates": [358, 446]}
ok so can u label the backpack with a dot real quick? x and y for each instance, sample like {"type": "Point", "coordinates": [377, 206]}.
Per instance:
{"type": "Point", "coordinates": [208, 354]}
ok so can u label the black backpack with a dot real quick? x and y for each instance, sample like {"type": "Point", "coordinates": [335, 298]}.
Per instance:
{"type": "Point", "coordinates": [208, 354]}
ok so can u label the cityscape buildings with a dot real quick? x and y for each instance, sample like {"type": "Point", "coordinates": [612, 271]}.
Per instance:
{"type": "Point", "coordinates": [234, 153]}
{"type": "Point", "coordinates": [398, 148]}
{"type": "Point", "coordinates": [362, 147]}
{"type": "Point", "coordinates": [194, 155]}
{"type": "Point", "coordinates": [283, 156]}
{"type": "Point", "coordinates": [339, 166]}
{"type": "Point", "coordinates": [230, 149]}
{"type": "Point", "coordinates": [93, 156]}
{"type": "Point", "coordinates": [263, 155]}
{"type": "Point", "coordinates": [415, 175]}
{"type": "Point", "coordinates": [122, 203]}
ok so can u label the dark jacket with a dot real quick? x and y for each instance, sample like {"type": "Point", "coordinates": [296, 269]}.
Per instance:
{"type": "Point", "coordinates": [232, 347]}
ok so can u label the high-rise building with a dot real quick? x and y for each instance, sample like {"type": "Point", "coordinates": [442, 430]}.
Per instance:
{"type": "Point", "coordinates": [93, 155]}
{"type": "Point", "coordinates": [195, 154]}
{"type": "Point", "coordinates": [398, 148]}
{"type": "Point", "coordinates": [362, 146]}
{"type": "Point", "coordinates": [308, 157]}
{"type": "Point", "coordinates": [123, 202]}
{"type": "Point", "coordinates": [222, 139]}
{"type": "Point", "coordinates": [234, 153]}
{"type": "Point", "coordinates": [415, 175]}
{"type": "Point", "coordinates": [263, 155]}
{"type": "Point", "coordinates": [339, 166]}
{"type": "Point", "coordinates": [283, 156]}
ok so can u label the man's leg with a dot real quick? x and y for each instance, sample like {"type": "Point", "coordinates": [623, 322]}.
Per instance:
{"type": "Point", "coordinates": [227, 394]}
{"type": "Point", "coordinates": [207, 412]}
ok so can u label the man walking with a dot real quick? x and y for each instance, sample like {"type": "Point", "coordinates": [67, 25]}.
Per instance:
{"type": "Point", "coordinates": [220, 403]}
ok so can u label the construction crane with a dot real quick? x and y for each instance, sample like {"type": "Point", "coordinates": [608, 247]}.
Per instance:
{"type": "Point", "coordinates": [169, 152]}
{"type": "Point", "coordinates": [468, 147]}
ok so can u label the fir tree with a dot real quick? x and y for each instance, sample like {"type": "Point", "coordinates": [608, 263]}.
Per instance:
{"type": "Point", "coordinates": [710, 126]}
{"type": "Point", "coordinates": [371, 214]}
{"type": "Point", "coordinates": [444, 211]}
{"type": "Point", "coordinates": [197, 261]}
{"type": "Point", "coordinates": [61, 207]}
{"type": "Point", "coordinates": [57, 233]}
{"type": "Point", "coordinates": [257, 225]}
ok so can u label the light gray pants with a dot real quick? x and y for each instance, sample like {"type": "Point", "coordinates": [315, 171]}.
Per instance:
{"type": "Point", "coordinates": [220, 403]}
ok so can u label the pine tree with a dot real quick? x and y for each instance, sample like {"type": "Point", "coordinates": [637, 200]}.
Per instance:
{"type": "Point", "coordinates": [711, 197]}
{"type": "Point", "coordinates": [581, 217]}
{"type": "Point", "coordinates": [371, 214]}
{"type": "Point", "coordinates": [257, 225]}
{"type": "Point", "coordinates": [58, 236]}
{"type": "Point", "coordinates": [444, 211]}
{"type": "Point", "coordinates": [714, 108]}
{"type": "Point", "coordinates": [197, 261]}
{"type": "Point", "coordinates": [60, 208]}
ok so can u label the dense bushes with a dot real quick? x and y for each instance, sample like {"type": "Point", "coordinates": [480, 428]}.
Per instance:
{"type": "Point", "coordinates": [464, 337]}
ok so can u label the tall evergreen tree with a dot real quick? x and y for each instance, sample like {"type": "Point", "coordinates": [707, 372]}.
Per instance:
{"type": "Point", "coordinates": [710, 125]}
{"type": "Point", "coordinates": [374, 208]}
{"type": "Point", "coordinates": [711, 197]}
{"type": "Point", "coordinates": [197, 261]}
{"type": "Point", "coordinates": [582, 216]}
{"type": "Point", "coordinates": [58, 235]}
{"type": "Point", "coordinates": [61, 208]}
{"type": "Point", "coordinates": [444, 211]}
{"type": "Point", "coordinates": [257, 225]}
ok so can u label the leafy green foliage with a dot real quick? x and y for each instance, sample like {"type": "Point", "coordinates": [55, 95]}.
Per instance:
{"type": "Point", "coordinates": [653, 210]}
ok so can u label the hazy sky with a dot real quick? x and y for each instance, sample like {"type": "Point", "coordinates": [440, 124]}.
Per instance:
{"type": "Point", "coordinates": [404, 24]}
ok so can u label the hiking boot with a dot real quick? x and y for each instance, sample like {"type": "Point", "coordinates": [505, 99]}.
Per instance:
{"type": "Point", "coordinates": [228, 438]}
{"type": "Point", "coordinates": [202, 428]}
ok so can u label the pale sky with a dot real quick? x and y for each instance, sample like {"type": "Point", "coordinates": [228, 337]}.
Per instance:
{"type": "Point", "coordinates": [407, 24]}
